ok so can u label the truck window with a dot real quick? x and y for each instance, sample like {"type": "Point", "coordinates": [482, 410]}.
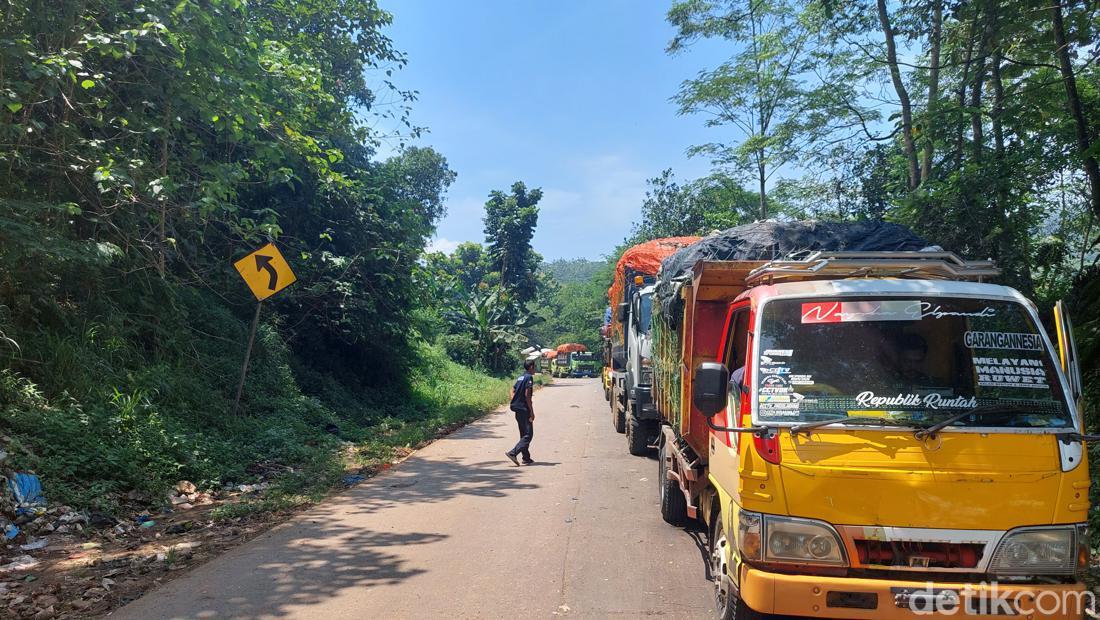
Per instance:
{"type": "Point", "coordinates": [737, 344]}
{"type": "Point", "coordinates": [908, 358]}
{"type": "Point", "coordinates": [645, 311]}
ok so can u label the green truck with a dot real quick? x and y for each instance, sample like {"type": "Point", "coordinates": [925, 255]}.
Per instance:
{"type": "Point", "coordinates": [584, 364]}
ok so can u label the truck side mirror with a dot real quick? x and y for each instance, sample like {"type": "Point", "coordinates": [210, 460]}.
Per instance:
{"type": "Point", "coordinates": [710, 388]}
{"type": "Point", "coordinates": [624, 311]}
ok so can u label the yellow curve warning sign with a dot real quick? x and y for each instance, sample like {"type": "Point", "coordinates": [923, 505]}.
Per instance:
{"type": "Point", "coordinates": [265, 271]}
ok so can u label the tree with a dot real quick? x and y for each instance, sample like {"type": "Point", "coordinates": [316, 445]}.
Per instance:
{"type": "Point", "coordinates": [672, 210]}
{"type": "Point", "coordinates": [510, 221]}
{"type": "Point", "coordinates": [761, 91]}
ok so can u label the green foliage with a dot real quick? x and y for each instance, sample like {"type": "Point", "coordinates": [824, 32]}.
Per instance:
{"type": "Point", "coordinates": [573, 310]}
{"type": "Point", "coordinates": [566, 271]}
{"type": "Point", "coordinates": [510, 221]}
{"type": "Point", "coordinates": [714, 202]}
{"type": "Point", "coordinates": [144, 148]}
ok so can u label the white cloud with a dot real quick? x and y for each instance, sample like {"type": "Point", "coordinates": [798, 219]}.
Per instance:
{"type": "Point", "coordinates": [596, 214]}
{"type": "Point", "coordinates": [442, 244]}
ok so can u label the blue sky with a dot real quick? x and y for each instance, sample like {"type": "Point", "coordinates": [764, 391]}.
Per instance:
{"type": "Point", "coordinates": [569, 96]}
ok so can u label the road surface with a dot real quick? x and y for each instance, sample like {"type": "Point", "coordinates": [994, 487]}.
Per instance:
{"type": "Point", "coordinates": [457, 531]}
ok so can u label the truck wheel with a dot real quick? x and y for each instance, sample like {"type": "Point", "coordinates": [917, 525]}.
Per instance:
{"type": "Point", "coordinates": [637, 439]}
{"type": "Point", "coordinates": [617, 411]}
{"type": "Point", "coordinates": [727, 604]}
{"type": "Point", "coordinates": [673, 504]}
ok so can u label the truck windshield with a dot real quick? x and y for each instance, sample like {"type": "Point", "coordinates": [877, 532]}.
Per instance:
{"type": "Point", "coordinates": [584, 357]}
{"type": "Point", "coordinates": [912, 360]}
{"type": "Point", "coordinates": [645, 311]}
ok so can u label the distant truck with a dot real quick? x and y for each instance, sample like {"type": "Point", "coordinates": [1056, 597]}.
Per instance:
{"type": "Point", "coordinates": [868, 434]}
{"type": "Point", "coordinates": [630, 296]}
{"type": "Point", "coordinates": [583, 364]}
{"type": "Point", "coordinates": [562, 364]}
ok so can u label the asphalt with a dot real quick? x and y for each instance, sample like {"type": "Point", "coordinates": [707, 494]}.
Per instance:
{"type": "Point", "coordinates": [457, 531]}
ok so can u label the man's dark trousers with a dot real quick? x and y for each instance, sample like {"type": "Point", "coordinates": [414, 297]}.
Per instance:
{"type": "Point", "coordinates": [526, 432]}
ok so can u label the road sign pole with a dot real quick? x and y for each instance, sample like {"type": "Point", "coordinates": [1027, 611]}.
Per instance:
{"type": "Point", "coordinates": [247, 355]}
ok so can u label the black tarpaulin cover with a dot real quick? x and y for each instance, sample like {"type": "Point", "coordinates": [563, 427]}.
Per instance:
{"type": "Point", "coordinates": [770, 240]}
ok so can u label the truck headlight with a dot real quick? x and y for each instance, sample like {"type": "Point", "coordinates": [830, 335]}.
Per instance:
{"type": "Point", "coordinates": [788, 540]}
{"type": "Point", "coordinates": [1037, 551]}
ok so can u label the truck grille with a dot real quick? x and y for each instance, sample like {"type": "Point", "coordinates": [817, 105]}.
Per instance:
{"type": "Point", "coordinates": [919, 554]}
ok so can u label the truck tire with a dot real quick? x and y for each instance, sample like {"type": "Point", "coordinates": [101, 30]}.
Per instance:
{"type": "Point", "coordinates": [727, 604]}
{"type": "Point", "coordinates": [637, 439]}
{"type": "Point", "coordinates": [673, 504]}
{"type": "Point", "coordinates": [617, 410]}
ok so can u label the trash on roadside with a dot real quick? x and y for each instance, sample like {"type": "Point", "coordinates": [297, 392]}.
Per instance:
{"type": "Point", "coordinates": [11, 530]}
{"type": "Point", "coordinates": [23, 562]}
{"type": "Point", "coordinates": [34, 543]}
{"type": "Point", "coordinates": [148, 524]}
{"type": "Point", "coordinates": [353, 479]}
{"type": "Point", "coordinates": [185, 487]}
{"type": "Point", "coordinates": [142, 518]}
{"type": "Point", "coordinates": [91, 545]}
{"type": "Point", "coordinates": [27, 489]}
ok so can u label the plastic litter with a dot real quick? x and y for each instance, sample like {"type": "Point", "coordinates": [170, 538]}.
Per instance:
{"type": "Point", "coordinates": [148, 524]}
{"type": "Point", "coordinates": [23, 562]}
{"type": "Point", "coordinates": [27, 489]}
{"type": "Point", "coordinates": [353, 479]}
{"type": "Point", "coordinates": [34, 543]}
{"type": "Point", "coordinates": [11, 531]}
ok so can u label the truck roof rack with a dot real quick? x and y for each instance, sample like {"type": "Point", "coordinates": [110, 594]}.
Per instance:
{"type": "Point", "coordinates": [907, 264]}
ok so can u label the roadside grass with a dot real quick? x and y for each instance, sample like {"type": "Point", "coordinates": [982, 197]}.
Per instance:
{"type": "Point", "coordinates": [111, 423]}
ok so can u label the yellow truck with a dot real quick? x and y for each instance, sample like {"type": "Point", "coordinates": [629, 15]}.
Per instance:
{"type": "Point", "coordinates": [872, 435]}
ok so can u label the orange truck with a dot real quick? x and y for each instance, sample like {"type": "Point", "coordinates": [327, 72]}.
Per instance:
{"type": "Point", "coordinates": [630, 296]}
{"type": "Point", "coordinates": [871, 434]}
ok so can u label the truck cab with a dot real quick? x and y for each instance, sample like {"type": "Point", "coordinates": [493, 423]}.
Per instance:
{"type": "Point", "coordinates": [886, 448]}
{"type": "Point", "coordinates": [641, 418]}
{"type": "Point", "coordinates": [583, 364]}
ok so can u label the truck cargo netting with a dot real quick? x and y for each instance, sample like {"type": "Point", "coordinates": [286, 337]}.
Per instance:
{"type": "Point", "coordinates": [773, 240]}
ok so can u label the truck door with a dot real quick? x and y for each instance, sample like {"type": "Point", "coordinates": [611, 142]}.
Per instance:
{"type": "Point", "coordinates": [1067, 353]}
{"type": "Point", "coordinates": [735, 357]}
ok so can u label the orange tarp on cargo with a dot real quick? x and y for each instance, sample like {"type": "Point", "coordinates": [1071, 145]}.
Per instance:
{"type": "Point", "coordinates": [642, 259]}
{"type": "Point", "coordinates": [571, 348]}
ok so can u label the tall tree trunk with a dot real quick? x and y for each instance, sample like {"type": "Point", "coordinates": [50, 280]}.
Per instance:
{"type": "Point", "coordinates": [977, 129]}
{"type": "Point", "coordinates": [1073, 101]}
{"type": "Point", "coordinates": [960, 95]}
{"type": "Point", "coordinates": [762, 177]}
{"type": "Point", "coordinates": [903, 95]}
{"type": "Point", "coordinates": [933, 92]}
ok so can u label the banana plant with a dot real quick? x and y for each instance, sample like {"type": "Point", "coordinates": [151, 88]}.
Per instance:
{"type": "Point", "coordinates": [494, 322]}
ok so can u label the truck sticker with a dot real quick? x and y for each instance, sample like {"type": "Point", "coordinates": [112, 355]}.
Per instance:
{"type": "Point", "coordinates": [857, 311]}
{"type": "Point", "coordinates": [776, 390]}
{"type": "Point", "coordinates": [772, 407]}
{"type": "Point", "coordinates": [1003, 340]}
{"type": "Point", "coordinates": [775, 398]}
{"type": "Point", "coordinates": [938, 312]}
{"type": "Point", "coordinates": [774, 381]}
{"type": "Point", "coordinates": [779, 352]}
{"type": "Point", "coordinates": [894, 310]}
{"type": "Point", "coordinates": [869, 400]}
{"type": "Point", "coordinates": [1010, 372]}
{"type": "Point", "coordinates": [802, 379]}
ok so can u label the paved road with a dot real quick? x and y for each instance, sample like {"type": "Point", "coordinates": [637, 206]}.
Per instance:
{"type": "Point", "coordinates": [457, 531]}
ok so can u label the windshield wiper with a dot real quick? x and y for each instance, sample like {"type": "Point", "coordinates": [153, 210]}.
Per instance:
{"type": "Point", "coordinates": [858, 419]}
{"type": "Point", "coordinates": [931, 431]}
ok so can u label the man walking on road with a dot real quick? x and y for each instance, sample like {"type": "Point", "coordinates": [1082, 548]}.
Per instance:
{"type": "Point", "coordinates": [525, 413]}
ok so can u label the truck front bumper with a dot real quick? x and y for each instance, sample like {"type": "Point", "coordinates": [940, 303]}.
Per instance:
{"type": "Point", "coordinates": [647, 410]}
{"type": "Point", "coordinates": [882, 599]}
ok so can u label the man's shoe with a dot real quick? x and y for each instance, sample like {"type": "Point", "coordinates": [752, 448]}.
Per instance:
{"type": "Point", "coordinates": [528, 462]}
{"type": "Point", "coordinates": [512, 457]}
